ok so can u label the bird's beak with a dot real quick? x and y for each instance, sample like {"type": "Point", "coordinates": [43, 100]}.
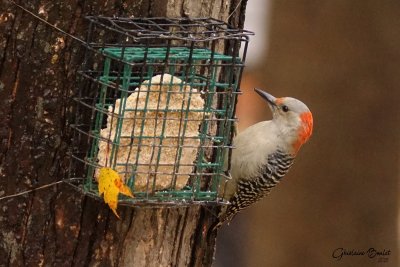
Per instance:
{"type": "Point", "coordinates": [270, 98]}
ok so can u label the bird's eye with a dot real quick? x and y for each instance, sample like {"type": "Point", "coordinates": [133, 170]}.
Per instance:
{"type": "Point", "coordinates": [285, 108]}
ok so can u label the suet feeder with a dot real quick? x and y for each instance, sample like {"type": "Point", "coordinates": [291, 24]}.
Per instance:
{"type": "Point", "coordinates": [156, 102]}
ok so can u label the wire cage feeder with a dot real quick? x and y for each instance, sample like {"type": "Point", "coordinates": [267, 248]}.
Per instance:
{"type": "Point", "coordinates": [156, 102]}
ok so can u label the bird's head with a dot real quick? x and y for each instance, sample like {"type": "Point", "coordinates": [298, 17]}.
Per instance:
{"type": "Point", "coordinates": [292, 117]}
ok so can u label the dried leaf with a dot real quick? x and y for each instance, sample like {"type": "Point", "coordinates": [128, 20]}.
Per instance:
{"type": "Point", "coordinates": [110, 185]}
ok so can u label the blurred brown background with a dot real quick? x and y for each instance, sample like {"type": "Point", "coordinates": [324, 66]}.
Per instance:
{"type": "Point", "coordinates": [342, 58]}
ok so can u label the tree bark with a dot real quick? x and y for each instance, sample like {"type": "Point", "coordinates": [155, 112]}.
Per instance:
{"type": "Point", "coordinates": [59, 225]}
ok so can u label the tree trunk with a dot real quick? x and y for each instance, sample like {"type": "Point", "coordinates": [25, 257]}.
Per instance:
{"type": "Point", "coordinates": [59, 225]}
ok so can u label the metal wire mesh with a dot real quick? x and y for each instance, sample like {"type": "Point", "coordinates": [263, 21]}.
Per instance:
{"type": "Point", "coordinates": [156, 102]}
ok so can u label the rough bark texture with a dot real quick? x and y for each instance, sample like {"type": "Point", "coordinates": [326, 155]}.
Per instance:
{"type": "Point", "coordinates": [59, 226]}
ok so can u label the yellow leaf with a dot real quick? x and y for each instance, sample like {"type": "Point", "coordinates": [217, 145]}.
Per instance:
{"type": "Point", "coordinates": [123, 189]}
{"type": "Point", "coordinates": [110, 185]}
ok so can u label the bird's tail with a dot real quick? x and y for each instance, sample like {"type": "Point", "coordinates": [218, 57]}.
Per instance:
{"type": "Point", "coordinates": [213, 230]}
{"type": "Point", "coordinates": [225, 216]}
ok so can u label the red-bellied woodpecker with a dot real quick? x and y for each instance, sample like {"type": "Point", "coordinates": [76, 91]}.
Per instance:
{"type": "Point", "coordinates": [264, 153]}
